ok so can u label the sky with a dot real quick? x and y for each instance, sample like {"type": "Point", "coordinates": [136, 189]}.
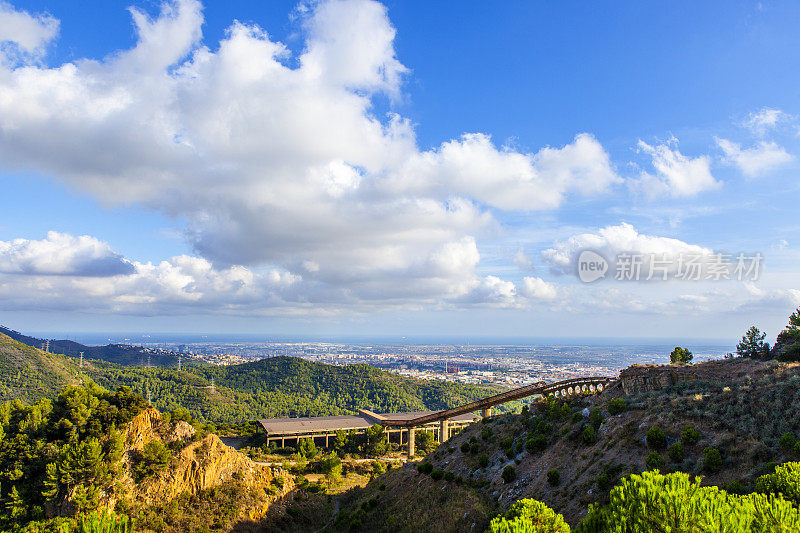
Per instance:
{"type": "Point", "coordinates": [349, 167]}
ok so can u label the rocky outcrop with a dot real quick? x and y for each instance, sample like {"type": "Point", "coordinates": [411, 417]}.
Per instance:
{"type": "Point", "coordinates": [195, 466]}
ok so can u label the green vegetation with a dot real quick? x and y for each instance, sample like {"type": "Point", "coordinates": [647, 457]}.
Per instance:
{"type": "Point", "coordinates": [509, 474]}
{"type": "Point", "coordinates": [690, 436]}
{"type": "Point", "coordinates": [656, 438]}
{"type": "Point", "coordinates": [676, 452]}
{"type": "Point", "coordinates": [788, 343]}
{"type": "Point", "coordinates": [654, 460]}
{"type": "Point", "coordinates": [274, 387]}
{"type": "Point", "coordinates": [104, 522]}
{"type": "Point", "coordinates": [680, 355]}
{"type": "Point", "coordinates": [712, 459]}
{"type": "Point", "coordinates": [589, 435]}
{"type": "Point", "coordinates": [655, 502]}
{"type": "Point", "coordinates": [785, 481]}
{"type": "Point", "coordinates": [553, 477]}
{"type": "Point", "coordinates": [752, 345]}
{"type": "Point", "coordinates": [153, 458]}
{"type": "Point", "coordinates": [52, 451]}
{"type": "Point", "coordinates": [529, 516]}
{"type": "Point", "coordinates": [617, 406]}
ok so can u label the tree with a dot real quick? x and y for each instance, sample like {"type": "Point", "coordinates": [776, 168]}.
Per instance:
{"type": "Point", "coordinates": [376, 441]}
{"type": "Point", "coordinates": [752, 345]}
{"type": "Point", "coordinates": [655, 502]}
{"type": "Point", "coordinates": [529, 515]}
{"type": "Point", "coordinates": [787, 345]}
{"type": "Point", "coordinates": [680, 355]}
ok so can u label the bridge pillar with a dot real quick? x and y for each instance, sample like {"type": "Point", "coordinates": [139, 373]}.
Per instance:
{"type": "Point", "coordinates": [410, 442]}
{"type": "Point", "coordinates": [485, 413]}
{"type": "Point", "coordinates": [444, 432]}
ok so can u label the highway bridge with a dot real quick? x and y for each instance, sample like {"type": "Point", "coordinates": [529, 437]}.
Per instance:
{"type": "Point", "coordinates": [402, 425]}
{"type": "Point", "coordinates": [566, 388]}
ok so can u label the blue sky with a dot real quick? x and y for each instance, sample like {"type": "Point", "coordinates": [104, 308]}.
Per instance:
{"type": "Point", "coordinates": [349, 167]}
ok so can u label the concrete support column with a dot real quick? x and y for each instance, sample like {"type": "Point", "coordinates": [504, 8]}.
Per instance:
{"type": "Point", "coordinates": [410, 442]}
{"type": "Point", "coordinates": [283, 442]}
{"type": "Point", "coordinates": [486, 412]}
{"type": "Point", "coordinates": [444, 432]}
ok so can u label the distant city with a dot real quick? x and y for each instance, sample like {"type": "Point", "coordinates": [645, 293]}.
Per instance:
{"type": "Point", "coordinates": [507, 365]}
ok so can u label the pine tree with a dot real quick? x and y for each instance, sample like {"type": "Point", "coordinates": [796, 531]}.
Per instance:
{"type": "Point", "coordinates": [752, 344]}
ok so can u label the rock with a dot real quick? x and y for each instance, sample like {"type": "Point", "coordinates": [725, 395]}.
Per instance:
{"type": "Point", "coordinates": [585, 412]}
{"type": "Point", "coordinates": [182, 431]}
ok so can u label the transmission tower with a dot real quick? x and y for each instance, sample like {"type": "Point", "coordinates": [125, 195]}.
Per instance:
{"type": "Point", "coordinates": [47, 346]}
{"type": "Point", "coordinates": [149, 397]}
{"type": "Point", "coordinates": [148, 360]}
{"type": "Point", "coordinates": [80, 364]}
{"type": "Point", "coordinates": [213, 388]}
{"type": "Point", "coordinates": [179, 362]}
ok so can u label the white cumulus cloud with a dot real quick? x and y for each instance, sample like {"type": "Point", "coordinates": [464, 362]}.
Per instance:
{"type": "Point", "coordinates": [757, 160]}
{"type": "Point", "coordinates": [24, 36]}
{"type": "Point", "coordinates": [61, 254]}
{"type": "Point", "coordinates": [277, 161]}
{"type": "Point", "coordinates": [676, 174]}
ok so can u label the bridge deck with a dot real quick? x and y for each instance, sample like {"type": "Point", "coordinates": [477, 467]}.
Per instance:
{"type": "Point", "coordinates": [497, 399]}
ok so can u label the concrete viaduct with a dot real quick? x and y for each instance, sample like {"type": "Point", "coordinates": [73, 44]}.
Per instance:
{"type": "Point", "coordinates": [560, 389]}
{"type": "Point", "coordinates": [405, 424]}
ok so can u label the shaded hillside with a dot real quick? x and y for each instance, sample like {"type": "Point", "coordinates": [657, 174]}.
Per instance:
{"type": "Point", "coordinates": [745, 414]}
{"type": "Point", "coordinates": [29, 374]}
{"type": "Point", "coordinates": [122, 354]}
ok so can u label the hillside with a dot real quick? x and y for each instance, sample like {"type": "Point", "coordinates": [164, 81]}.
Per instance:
{"type": "Point", "coordinates": [280, 386]}
{"type": "Point", "coordinates": [121, 354]}
{"type": "Point", "coordinates": [90, 449]}
{"type": "Point", "coordinates": [30, 374]}
{"type": "Point", "coordinates": [741, 408]}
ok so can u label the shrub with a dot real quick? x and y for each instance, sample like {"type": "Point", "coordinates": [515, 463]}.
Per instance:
{"type": "Point", "coordinates": [449, 476]}
{"type": "Point", "coordinates": [474, 448]}
{"type": "Point", "coordinates": [553, 477]}
{"type": "Point", "coordinates": [787, 441]}
{"type": "Point", "coordinates": [529, 515]}
{"type": "Point", "coordinates": [676, 452]}
{"type": "Point", "coordinates": [483, 460]}
{"type": "Point", "coordinates": [656, 438]}
{"type": "Point", "coordinates": [437, 474]}
{"type": "Point", "coordinates": [425, 468]}
{"type": "Point", "coordinates": [589, 435]}
{"type": "Point", "coordinates": [104, 522]}
{"type": "Point", "coordinates": [712, 461]}
{"type": "Point", "coordinates": [654, 460]}
{"type": "Point", "coordinates": [655, 502]}
{"type": "Point", "coordinates": [509, 474]}
{"type": "Point", "coordinates": [596, 417]}
{"type": "Point", "coordinates": [617, 406]}
{"type": "Point", "coordinates": [538, 443]}
{"type": "Point", "coordinates": [465, 447]}
{"type": "Point", "coordinates": [153, 458]}
{"type": "Point", "coordinates": [690, 436]}
{"type": "Point", "coordinates": [785, 480]}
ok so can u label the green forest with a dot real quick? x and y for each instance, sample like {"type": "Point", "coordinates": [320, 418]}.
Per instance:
{"type": "Point", "coordinates": [274, 387]}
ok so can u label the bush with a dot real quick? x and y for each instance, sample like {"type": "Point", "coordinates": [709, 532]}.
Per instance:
{"type": "Point", "coordinates": [787, 441]}
{"type": "Point", "coordinates": [531, 516]}
{"type": "Point", "coordinates": [655, 502]}
{"type": "Point", "coordinates": [617, 406]}
{"type": "Point", "coordinates": [596, 417]}
{"type": "Point", "coordinates": [676, 452]}
{"type": "Point", "coordinates": [690, 436]}
{"type": "Point", "coordinates": [449, 476]}
{"type": "Point", "coordinates": [465, 447]}
{"type": "Point", "coordinates": [104, 522]}
{"type": "Point", "coordinates": [153, 458]}
{"type": "Point", "coordinates": [656, 438]}
{"type": "Point", "coordinates": [785, 480]}
{"type": "Point", "coordinates": [509, 474]}
{"type": "Point", "coordinates": [437, 474]}
{"type": "Point", "coordinates": [538, 443]}
{"type": "Point", "coordinates": [589, 435]}
{"type": "Point", "coordinates": [425, 468]}
{"type": "Point", "coordinates": [474, 448]}
{"type": "Point", "coordinates": [712, 461]}
{"type": "Point", "coordinates": [483, 460]}
{"type": "Point", "coordinates": [654, 460]}
{"type": "Point", "coordinates": [553, 477]}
